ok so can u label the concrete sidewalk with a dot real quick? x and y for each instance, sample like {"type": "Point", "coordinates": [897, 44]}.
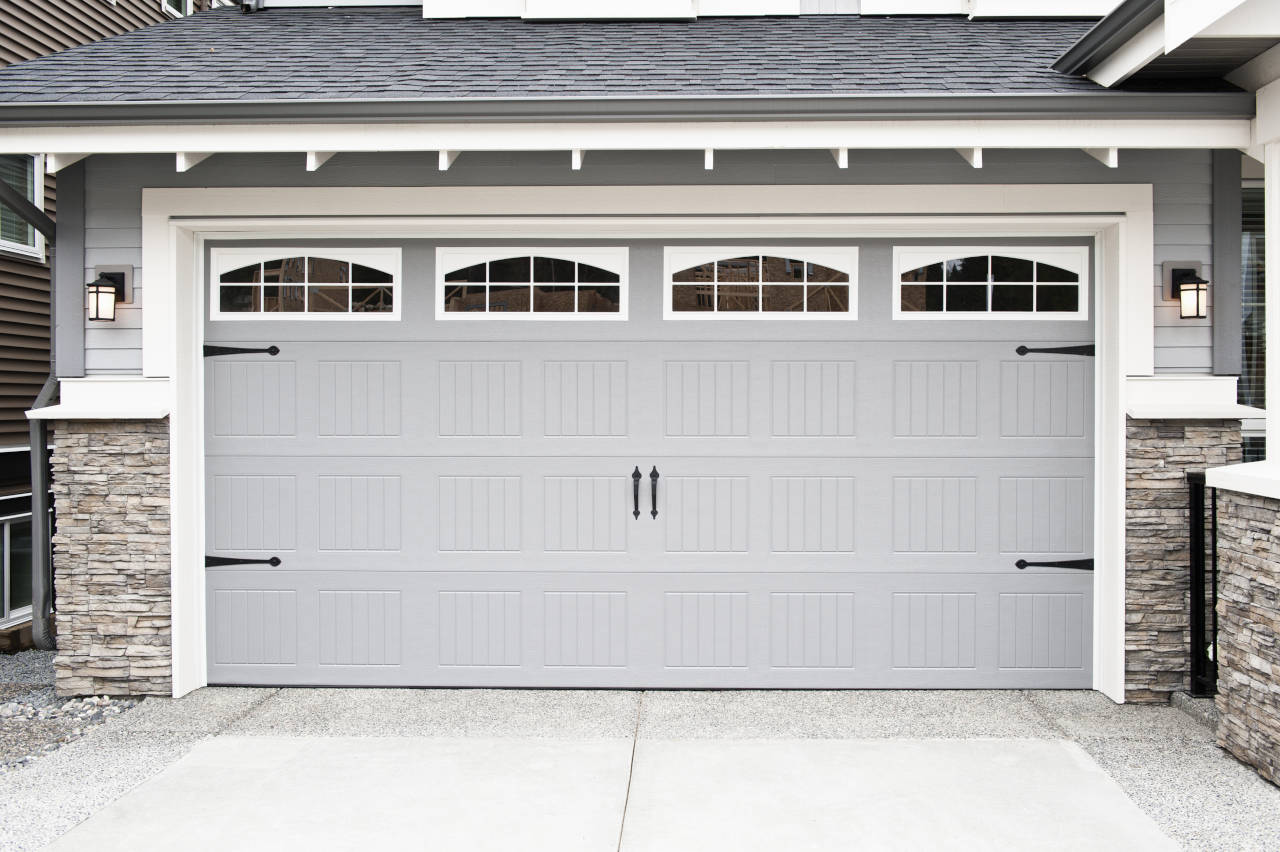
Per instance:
{"type": "Point", "coordinates": [599, 770]}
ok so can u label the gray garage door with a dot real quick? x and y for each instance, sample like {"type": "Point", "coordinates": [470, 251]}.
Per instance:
{"type": "Point", "coordinates": [838, 504]}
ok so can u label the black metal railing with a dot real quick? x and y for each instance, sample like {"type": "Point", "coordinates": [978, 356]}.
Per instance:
{"type": "Point", "coordinates": [1203, 518]}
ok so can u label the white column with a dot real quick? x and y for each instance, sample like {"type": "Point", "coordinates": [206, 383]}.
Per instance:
{"type": "Point", "coordinates": [1271, 160]}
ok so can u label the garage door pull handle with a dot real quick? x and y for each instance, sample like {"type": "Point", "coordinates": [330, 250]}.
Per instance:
{"type": "Point", "coordinates": [213, 351]}
{"type": "Point", "coordinates": [1076, 564]}
{"type": "Point", "coordinates": [653, 494]}
{"type": "Point", "coordinates": [635, 491]}
{"type": "Point", "coordinates": [220, 561]}
{"type": "Point", "coordinates": [1086, 349]}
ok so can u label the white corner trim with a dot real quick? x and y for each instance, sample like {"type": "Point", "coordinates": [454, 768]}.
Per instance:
{"type": "Point", "coordinates": [109, 398]}
{"type": "Point", "coordinates": [1261, 479]}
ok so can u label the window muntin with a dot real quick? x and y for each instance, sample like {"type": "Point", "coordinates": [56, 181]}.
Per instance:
{"type": "Point", "coordinates": [542, 283]}
{"type": "Point", "coordinates": [972, 282]}
{"type": "Point", "coordinates": [311, 283]}
{"type": "Point", "coordinates": [25, 173]}
{"type": "Point", "coordinates": [761, 283]}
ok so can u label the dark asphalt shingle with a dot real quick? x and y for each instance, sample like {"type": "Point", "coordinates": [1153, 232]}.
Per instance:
{"type": "Point", "coordinates": [392, 52]}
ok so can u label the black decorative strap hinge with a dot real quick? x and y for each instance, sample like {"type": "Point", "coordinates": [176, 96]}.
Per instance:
{"type": "Point", "coordinates": [213, 351]}
{"type": "Point", "coordinates": [1085, 349]}
{"type": "Point", "coordinates": [221, 561]}
{"type": "Point", "coordinates": [1074, 564]}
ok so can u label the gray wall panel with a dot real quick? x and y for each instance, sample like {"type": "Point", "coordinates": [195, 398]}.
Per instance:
{"type": "Point", "coordinates": [1183, 182]}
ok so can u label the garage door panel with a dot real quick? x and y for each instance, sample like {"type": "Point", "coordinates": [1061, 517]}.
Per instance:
{"type": "Point", "coordinates": [571, 629]}
{"type": "Point", "coordinates": [837, 504]}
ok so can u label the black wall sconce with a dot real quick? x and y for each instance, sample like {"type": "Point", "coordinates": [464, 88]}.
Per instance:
{"type": "Point", "coordinates": [104, 293]}
{"type": "Point", "coordinates": [1193, 297]}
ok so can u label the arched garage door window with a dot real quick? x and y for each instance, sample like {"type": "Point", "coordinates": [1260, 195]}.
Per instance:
{"type": "Point", "coordinates": [756, 283]}
{"type": "Point", "coordinates": [305, 284]}
{"type": "Point", "coordinates": [531, 283]}
{"type": "Point", "coordinates": [980, 282]}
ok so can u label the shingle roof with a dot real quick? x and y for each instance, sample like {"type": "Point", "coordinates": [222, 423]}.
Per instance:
{"type": "Point", "coordinates": [393, 53]}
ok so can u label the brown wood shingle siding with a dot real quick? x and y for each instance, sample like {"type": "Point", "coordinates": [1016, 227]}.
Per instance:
{"type": "Point", "coordinates": [28, 29]}
{"type": "Point", "coordinates": [31, 28]}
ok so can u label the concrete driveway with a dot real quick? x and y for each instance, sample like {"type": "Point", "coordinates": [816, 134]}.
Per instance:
{"type": "Point", "coordinates": [596, 770]}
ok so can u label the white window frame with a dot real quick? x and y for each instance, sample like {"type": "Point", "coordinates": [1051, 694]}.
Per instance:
{"type": "Point", "coordinates": [615, 259]}
{"type": "Point", "coordinates": [173, 13]}
{"type": "Point", "coordinates": [37, 184]}
{"type": "Point", "coordinates": [1073, 258]}
{"type": "Point", "coordinates": [841, 258]}
{"type": "Point", "coordinates": [226, 258]}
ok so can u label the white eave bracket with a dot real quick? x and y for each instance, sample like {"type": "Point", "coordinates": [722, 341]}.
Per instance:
{"type": "Point", "coordinates": [841, 156]}
{"type": "Point", "coordinates": [1109, 157]}
{"type": "Point", "coordinates": [972, 156]}
{"type": "Point", "coordinates": [447, 159]}
{"type": "Point", "coordinates": [316, 159]}
{"type": "Point", "coordinates": [186, 161]}
{"type": "Point", "coordinates": [576, 156]}
{"type": "Point", "coordinates": [54, 163]}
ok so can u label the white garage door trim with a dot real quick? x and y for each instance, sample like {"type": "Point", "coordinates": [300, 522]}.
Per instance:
{"type": "Point", "coordinates": [176, 223]}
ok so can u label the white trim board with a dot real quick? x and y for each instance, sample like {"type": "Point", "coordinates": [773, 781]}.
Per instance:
{"type": "Point", "coordinates": [177, 222]}
{"type": "Point", "coordinates": [693, 136]}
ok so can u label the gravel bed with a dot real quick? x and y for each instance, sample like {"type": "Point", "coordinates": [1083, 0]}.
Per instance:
{"type": "Point", "coordinates": [33, 719]}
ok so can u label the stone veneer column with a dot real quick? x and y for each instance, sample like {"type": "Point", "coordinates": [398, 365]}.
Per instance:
{"type": "Point", "coordinates": [111, 557]}
{"type": "Point", "coordinates": [1249, 630]}
{"type": "Point", "coordinates": [1157, 546]}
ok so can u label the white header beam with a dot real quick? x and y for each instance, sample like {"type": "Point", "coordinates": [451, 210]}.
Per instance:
{"type": "Point", "coordinates": [632, 136]}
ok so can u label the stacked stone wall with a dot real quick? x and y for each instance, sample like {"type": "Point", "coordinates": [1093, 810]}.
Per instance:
{"type": "Point", "coordinates": [111, 557]}
{"type": "Point", "coordinates": [1249, 630]}
{"type": "Point", "coordinates": [1157, 546]}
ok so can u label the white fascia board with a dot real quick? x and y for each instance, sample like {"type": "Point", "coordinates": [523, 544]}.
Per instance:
{"type": "Point", "coordinates": [582, 10]}
{"type": "Point", "coordinates": [1251, 19]}
{"type": "Point", "coordinates": [1041, 8]}
{"type": "Point", "coordinates": [1257, 72]}
{"type": "Point", "coordinates": [1131, 57]}
{"type": "Point", "coordinates": [634, 136]}
{"type": "Point", "coordinates": [915, 7]}
{"type": "Point", "coordinates": [471, 8]}
{"type": "Point", "coordinates": [1186, 19]}
{"type": "Point", "coordinates": [1266, 127]}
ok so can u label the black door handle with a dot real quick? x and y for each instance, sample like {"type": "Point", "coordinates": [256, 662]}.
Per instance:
{"type": "Point", "coordinates": [1076, 564]}
{"type": "Point", "coordinates": [219, 561]}
{"type": "Point", "coordinates": [1086, 349]}
{"type": "Point", "coordinates": [653, 494]}
{"type": "Point", "coordinates": [635, 491]}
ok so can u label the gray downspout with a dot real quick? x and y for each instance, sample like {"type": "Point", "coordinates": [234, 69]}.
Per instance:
{"type": "Point", "coordinates": [41, 545]}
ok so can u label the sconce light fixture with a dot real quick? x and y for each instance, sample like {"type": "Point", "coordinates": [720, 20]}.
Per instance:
{"type": "Point", "coordinates": [1193, 297]}
{"type": "Point", "coordinates": [103, 295]}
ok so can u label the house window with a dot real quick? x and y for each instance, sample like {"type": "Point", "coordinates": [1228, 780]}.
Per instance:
{"type": "Point", "coordinates": [312, 284]}
{"type": "Point", "coordinates": [177, 8]}
{"type": "Point", "coordinates": [25, 173]}
{"type": "Point", "coordinates": [1251, 389]}
{"type": "Point", "coordinates": [971, 282]}
{"type": "Point", "coordinates": [750, 283]}
{"type": "Point", "coordinates": [531, 283]}
{"type": "Point", "coordinates": [15, 571]}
